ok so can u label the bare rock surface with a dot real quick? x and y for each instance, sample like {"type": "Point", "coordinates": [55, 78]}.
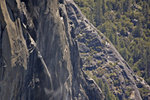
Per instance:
{"type": "Point", "coordinates": [39, 60]}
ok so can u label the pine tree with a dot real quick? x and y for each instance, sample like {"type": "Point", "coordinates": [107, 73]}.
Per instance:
{"type": "Point", "coordinates": [99, 13]}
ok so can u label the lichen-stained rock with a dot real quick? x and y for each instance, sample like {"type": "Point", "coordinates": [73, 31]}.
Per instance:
{"type": "Point", "coordinates": [13, 46]}
{"type": "Point", "coordinates": [39, 60]}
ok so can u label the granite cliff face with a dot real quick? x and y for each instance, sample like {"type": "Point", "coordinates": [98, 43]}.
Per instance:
{"type": "Point", "coordinates": [39, 59]}
{"type": "Point", "coordinates": [45, 44]}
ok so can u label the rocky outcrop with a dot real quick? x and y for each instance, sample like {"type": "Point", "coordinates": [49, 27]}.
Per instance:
{"type": "Point", "coordinates": [39, 60]}
{"type": "Point", "coordinates": [101, 60]}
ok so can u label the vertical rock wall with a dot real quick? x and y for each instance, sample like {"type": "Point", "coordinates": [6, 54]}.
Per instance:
{"type": "Point", "coordinates": [38, 58]}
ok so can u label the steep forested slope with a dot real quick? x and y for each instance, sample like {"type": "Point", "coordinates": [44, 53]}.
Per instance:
{"type": "Point", "coordinates": [127, 25]}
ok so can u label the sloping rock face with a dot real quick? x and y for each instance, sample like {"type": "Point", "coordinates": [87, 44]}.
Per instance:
{"type": "Point", "coordinates": [102, 60]}
{"type": "Point", "coordinates": [39, 59]}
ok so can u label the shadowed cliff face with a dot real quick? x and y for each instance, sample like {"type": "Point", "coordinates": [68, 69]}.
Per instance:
{"type": "Point", "coordinates": [39, 60]}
